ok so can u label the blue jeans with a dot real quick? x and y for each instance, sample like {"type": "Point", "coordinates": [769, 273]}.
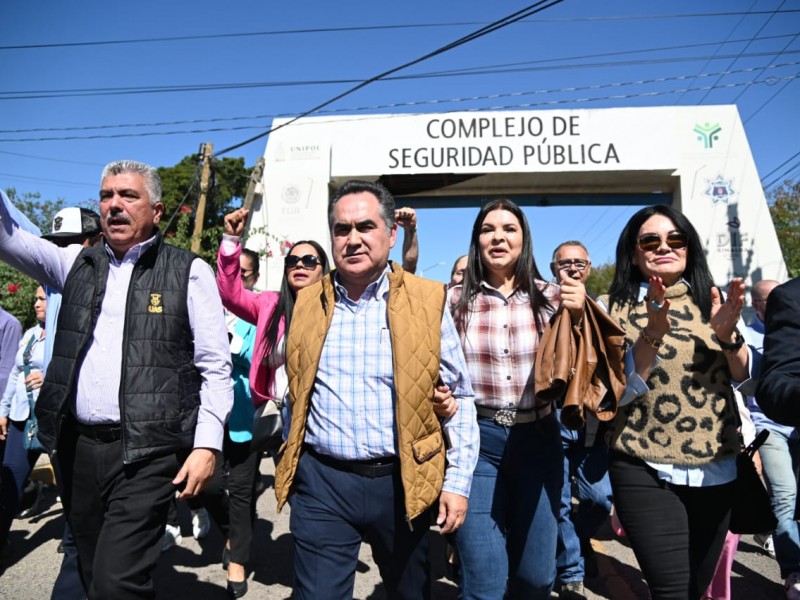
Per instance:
{"type": "Point", "coordinates": [17, 466]}
{"type": "Point", "coordinates": [508, 540]}
{"type": "Point", "coordinates": [780, 458]}
{"type": "Point", "coordinates": [589, 466]}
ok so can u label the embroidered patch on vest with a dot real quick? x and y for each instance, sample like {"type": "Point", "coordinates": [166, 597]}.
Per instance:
{"type": "Point", "coordinates": [155, 304]}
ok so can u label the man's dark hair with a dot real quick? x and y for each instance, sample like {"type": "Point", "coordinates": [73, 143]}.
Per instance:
{"type": "Point", "coordinates": [359, 186]}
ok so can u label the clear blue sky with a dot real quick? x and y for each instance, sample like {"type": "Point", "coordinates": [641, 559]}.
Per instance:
{"type": "Point", "coordinates": [602, 48]}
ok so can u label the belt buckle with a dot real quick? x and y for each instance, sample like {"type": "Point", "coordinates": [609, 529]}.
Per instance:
{"type": "Point", "coordinates": [506, 417]}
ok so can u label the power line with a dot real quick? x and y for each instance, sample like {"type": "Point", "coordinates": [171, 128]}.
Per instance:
{"type": "Point", "coordinates": [239, 118]}
{"type": "Point", "coordinates": [784, 49]}
{"type": "Point", "coordinates": [780, 166]}
{"type": "Point", "coordinates": [492, 27]}
{"type": "Point", "coordinates": [61, 160]}
{"type": "Point", "coordinates": [780, 177]}
{"type": "Point", "coordinates": [767, 101]}
{"type": "Point", "coordinates": [741, 52]}
{"type": "Point", "coordinates": [720, 47]}
{"type": "Point", "coordinates": [715, 44]}
{"type": "Point", "coordinates": [432, 73]}
{"type": "Point", "coordinates": [192, 186]}
{"type": "Point", "coordinates": [59, 181]}
{"type": "Point", "coordinates": [84, 92]}
{"type": "Point", "coordinates": [770, 80]}
{"type": "Point", "coordinates": [184, 38]}
{"type": "Point", "coordinates": [280, 32]}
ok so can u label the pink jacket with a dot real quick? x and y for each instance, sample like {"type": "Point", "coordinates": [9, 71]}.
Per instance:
{"type": "Point", "coordinates": [253, 307]}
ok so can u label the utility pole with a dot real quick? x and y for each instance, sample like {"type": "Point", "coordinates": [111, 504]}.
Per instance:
{"type": "Point", "coordinates": [255, 178]}
{"type": "Point", "coordinates": [206, 150]}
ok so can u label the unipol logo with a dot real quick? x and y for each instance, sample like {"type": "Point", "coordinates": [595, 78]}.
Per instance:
{"type": "Point", "coordinates": [707, 134]}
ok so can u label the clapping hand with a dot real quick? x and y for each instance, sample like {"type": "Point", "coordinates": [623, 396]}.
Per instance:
{"type": "Point", "coordinates": [657, 308]}
{"type": "Point", "coordinates": [726, 314]}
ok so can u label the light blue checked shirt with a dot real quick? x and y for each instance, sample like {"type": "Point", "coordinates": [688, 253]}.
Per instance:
{"type": "Point", "coordinates": [352, 404]}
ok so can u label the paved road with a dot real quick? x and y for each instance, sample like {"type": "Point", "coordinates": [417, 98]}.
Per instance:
{"type": "Point", "coordinates": [192, 571]}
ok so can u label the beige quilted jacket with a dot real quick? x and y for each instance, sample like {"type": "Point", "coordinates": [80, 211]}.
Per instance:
{"type": "Point", "coordinates": [415, 317]}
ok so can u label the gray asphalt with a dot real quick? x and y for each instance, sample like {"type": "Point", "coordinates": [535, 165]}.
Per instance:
{"type": "Point", "coordinates": [192, 571]}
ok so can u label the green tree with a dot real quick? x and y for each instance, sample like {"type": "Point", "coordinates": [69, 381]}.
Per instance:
{"type": "Point", "coordinates": [600, 279]}
{"type": "Point", "coordinates": [784, 207]}
{"type": "Point", "coordinates": [181, 189]}
{"type": "Point", "coordinates": [40, 212]}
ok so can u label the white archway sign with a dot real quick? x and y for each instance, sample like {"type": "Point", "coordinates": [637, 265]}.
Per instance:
{"type": "Point", "coordinates": [696, 157]}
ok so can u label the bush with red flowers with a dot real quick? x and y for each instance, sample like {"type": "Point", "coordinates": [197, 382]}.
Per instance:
{"type": "Point", "coordinates": [16, 295]}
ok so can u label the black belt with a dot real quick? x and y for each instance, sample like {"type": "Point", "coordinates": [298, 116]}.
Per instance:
{"type": "Point", "coordinates": [99, 433]}
{"type": "Point", "coordinates": [512, 416]}
{"type": "Point", "coordinates": [377, 467]}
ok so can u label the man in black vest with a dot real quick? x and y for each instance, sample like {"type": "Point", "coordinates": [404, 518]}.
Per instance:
{"type": "Point", "coordinates": [138, 389]}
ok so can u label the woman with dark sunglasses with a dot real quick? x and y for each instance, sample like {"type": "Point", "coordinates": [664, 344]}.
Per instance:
{"type": "Point", "coordinates": [16, 408]}
{"type": "Point", "coordinates": [271, 313]}
{"type": "Point", "coordinates": [674, 441]}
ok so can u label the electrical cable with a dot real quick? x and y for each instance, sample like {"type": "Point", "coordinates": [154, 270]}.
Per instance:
{"type": "Point", "coordinates": [780, 177]}
{"type": "Point", "coordinates": [61, 160]}
{"type": "Point", "coordinates": [363, 28]}
{"type": "Point", "coordinates": [494, 26]}
{"type": "Point", "coordinates": [192, 185]}
{"type": "Point", "coordinates": [703, 99]}
{"type": "Point", "coordinates": [767, 101]}
{"type": "Point", "coordinates": [395, 104]}
{"type": "Point", "coordinates": [784, 49]}
{"type": "Point", "coordinates": [780, 166]}
{"type": "Point", "coordinates": [87, 92]}
{"type": "Point", "coordinates": [481, 109]}
{"type": "Point", "coordinates": [739, 22]}
{"type": "Point", "coordinates": [59, 181]}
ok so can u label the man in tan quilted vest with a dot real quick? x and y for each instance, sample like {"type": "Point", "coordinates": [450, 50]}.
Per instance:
{"type": "Point", "coordinates": [366, 457]}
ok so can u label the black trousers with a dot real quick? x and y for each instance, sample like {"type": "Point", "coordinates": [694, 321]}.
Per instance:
{"type": "Point", "coordinates": [676, 531]}
{"type": "Point", "coordinates": [117, 514]}
{"type": "Point", "coordinates": [230, 500]}
{"type": "Point", "coordinates": [332, 512]}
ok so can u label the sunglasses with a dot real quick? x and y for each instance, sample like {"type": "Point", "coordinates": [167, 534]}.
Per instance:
{"type": "Point", "coordinates": [650, 242]}
{"type": "Point", "coordinates": [577, 263]}
{"type": "Point", "coordinates": [309, 261]}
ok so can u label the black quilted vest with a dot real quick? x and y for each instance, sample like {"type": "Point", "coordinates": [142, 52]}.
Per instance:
{"type": "Point", "coordinates": [159, 389]}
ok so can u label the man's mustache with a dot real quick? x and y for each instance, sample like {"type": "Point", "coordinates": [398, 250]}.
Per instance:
{"type": "Point", "coordinates": [118, 219]}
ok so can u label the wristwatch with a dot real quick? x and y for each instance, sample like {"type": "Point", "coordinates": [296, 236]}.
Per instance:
{"type": "Point", "coordinates": [738, 342]}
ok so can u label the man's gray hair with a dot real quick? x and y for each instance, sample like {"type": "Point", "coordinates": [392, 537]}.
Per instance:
{"type": "Point", "coordinates": [569, 243]}
{"type": "Point", "coordinates": [358, 186]}
{"type": "Point", "coordinates": [150, 175]}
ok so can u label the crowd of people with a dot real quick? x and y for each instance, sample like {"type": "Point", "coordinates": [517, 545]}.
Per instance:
{"type": "Point", "coordinates": [405, 404]}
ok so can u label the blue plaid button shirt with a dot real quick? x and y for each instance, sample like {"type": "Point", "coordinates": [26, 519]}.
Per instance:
{"type": "Point", "coordinates": [352, 415]}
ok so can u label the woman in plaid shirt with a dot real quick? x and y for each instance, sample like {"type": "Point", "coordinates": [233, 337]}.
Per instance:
{"type": "Point", "coordinates": [507, 545]}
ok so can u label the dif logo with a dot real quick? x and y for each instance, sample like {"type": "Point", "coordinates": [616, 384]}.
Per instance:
{"type": "Point", "coordinates": [707, 133]}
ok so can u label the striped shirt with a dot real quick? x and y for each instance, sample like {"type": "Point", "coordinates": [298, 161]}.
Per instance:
{"type": "Point", "coordinates": [352, 404]}
{"type": "Point", "coordinates": [500, 342]}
